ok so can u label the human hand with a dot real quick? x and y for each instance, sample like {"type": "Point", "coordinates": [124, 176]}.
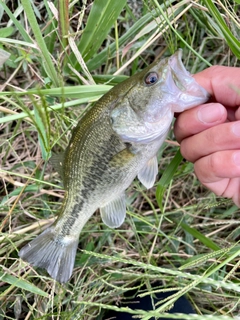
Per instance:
{"type": "Point", "coordinates": [209, 135]}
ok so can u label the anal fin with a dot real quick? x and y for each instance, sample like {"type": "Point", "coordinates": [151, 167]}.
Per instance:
{"type": "Point", "coordinates": [147, 175]}
{"type": "Point", "coordinates": [113, 213]}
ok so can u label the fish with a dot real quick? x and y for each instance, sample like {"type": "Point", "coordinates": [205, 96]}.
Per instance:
{"type": "Point", "coordinates": [114, 142]}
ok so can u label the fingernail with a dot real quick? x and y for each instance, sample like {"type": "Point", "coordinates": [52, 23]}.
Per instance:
{"type": "Point", "coordinates": [210, 113]}
{"type": "Point", "coordinates": [236, 158]}
{"type": "Point", "coordinates": [236, 128]}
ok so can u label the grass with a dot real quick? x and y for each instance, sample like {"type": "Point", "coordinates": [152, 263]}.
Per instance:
{"type": "Point", "coordinates": [63, 58]}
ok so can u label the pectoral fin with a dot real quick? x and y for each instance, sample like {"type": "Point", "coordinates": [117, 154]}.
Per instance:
{"type": "Point", "coordinates": [113, 213]}
{"type": "Point", "coordinates": [148, 173]}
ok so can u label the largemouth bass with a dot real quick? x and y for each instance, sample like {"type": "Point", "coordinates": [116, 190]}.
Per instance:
{"type": "Point", "coordinates": [115, 141]}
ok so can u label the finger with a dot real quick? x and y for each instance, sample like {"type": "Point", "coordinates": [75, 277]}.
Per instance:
{"type": "Point", "coordinates": [198, 119]}
{"type": "Point", "coordinates": [229, 188]}
{"type": "Point", "coordinates": [237, 114]}
{"type": "Point", "coordinates": [225, 136]}
{"type": "Point", "coordinates": [231, 114]}
{"type": "Point", "coordinates": [233, 191]}
{"type": "Point", "coordinates": [218, 166]}
{"type": "Point", "coordinates": [223, 83]}
{"type": "Point", "coordinates": [220, 172]}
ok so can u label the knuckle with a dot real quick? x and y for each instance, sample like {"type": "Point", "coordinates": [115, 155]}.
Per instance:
{"type": "Point", "coordinates": [214, 164]}
{"type": "Point", "coordinates": [179, 128]}
{"type": "Point", "coordinates": [213, 138]}
{"type": "Point", "coordinates": [186, 151]}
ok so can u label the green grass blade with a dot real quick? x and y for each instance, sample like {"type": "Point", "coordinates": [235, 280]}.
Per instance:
{"type": "Point", "coordinates": [49, 66]}
{"type": "Point", "coordinates": [198, 235]}
{"type": "Point", "coordinates": [42, 124]}
{"type": "Point", "coordinates": [22, 284]}
{"type": "Point", "coordinates": [50, 34]}
{"type": "Point", "coordinates": [98, 60]}
{"type": "Point", "coordinates": [63, 20]}
{"type": "Point", "coordinates": [102, 17]}
{"type": "Point", "coordinates": [167, 177]}
{"type": "Point", "coordinates": [159, 271]}
{"type": "Point", "coordinates": [63, 25]}
{"type": "Point", "coordinates": [102, 56]}
{"type": "Point", "coordinates": [71, 92]}
{"type": "Point", "coordinates": [18, 42]}
{"type": "Point", "coordinates": [178, 34]}
{"type": "Point", "coordinates": [6, 32]}
{"type": "Point", "coordinates": [57, 106]}
{"type": "Point", "coordinates": [232, 42]}
{"type": "Point", "coordinates": [18, 25]}
{"type": "Point", "coordinates": [84, 91]}
{"type": "Point", "coordinates": [151, 314]}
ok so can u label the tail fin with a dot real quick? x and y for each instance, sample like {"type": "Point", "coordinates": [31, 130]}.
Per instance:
{"type": "Point", "coordinates": [55, 255]}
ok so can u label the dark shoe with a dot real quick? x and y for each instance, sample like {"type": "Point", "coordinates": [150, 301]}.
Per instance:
{"type": "Point", "coordinates": [182, 305]}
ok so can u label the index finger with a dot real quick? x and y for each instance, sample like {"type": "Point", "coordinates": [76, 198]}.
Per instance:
{"type": "Point", "coordinates": [223, 83]}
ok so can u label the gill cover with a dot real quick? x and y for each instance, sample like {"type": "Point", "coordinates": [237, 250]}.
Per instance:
{"type": "Point", "coordinates": [146, 111]}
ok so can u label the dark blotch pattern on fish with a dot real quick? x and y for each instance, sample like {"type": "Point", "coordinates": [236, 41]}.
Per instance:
{"type": "Point", "coordinates": [100, 173]}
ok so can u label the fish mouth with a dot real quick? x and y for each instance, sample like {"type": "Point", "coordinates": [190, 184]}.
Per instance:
{"type": "Point", "coordinates": [178, 68]}
{"type": "Point", "coordinates": [183, 84]}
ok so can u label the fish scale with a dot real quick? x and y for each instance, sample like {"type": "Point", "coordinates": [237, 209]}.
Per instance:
{"type": "Point", "coordinates": [96, 169]}
{"type": "Point", "coordinates": [114, 142]}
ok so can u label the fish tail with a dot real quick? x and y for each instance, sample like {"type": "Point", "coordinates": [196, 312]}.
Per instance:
{"type": "Point", "coordinates": [55, 255]}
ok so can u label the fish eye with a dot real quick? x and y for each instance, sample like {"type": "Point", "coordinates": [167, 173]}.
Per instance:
{"type": "Point", "coordinates": [151, 78]}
